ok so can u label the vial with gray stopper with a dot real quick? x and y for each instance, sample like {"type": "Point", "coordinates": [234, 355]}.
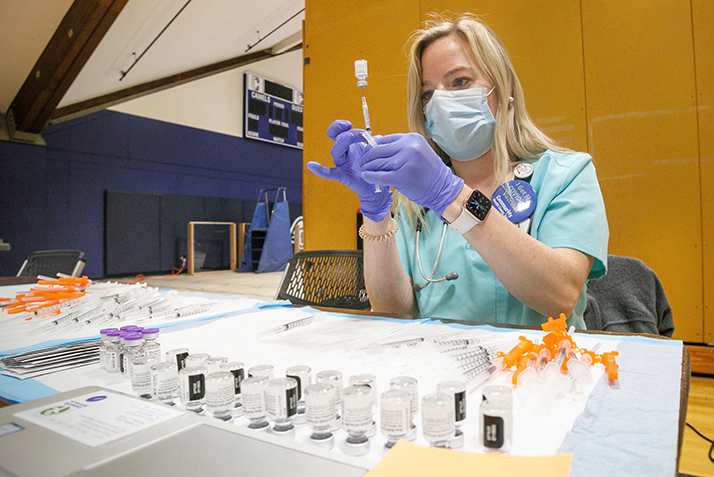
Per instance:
{"type": "Point", "coordinates": [281, 402]}
{"type": "Point", "coordinates": [214, 363]}
{"type": "Point", "coordinates": [253, 391]}
{"type": "Point", "coordinates": [165, 382]}
{"type": "Point", "coordinates": [457, 390]}
{"type": "Point", "coordinates": [357, 419]}
{"type": "Point", "coordinates": [192, 381]}
{"type": "Point", "coordinates": [320, 413]}
{"type": "Point", "coordinates": [369, 381]}
{"type": "Point", "coordinates": [220, 397]}
{"type": "Point", "coordinates": [496, 419]}
{"type": "Point", "coordinates": [335, 379]}
{"type": "Point", "coordinates": [301, 374]}
{"type": "Point", "coordinates": [265, 370]}
{"type": "Point", "coordinates": [411, 386]}
{"type": "Point", "coordinates": [395, 411]}
{"type": "Point", "coordinates": [437, 417]}
{"type": "Point", "coordinates": [236, 368]}
{"type": "Point", "coordinates": [177, 357]}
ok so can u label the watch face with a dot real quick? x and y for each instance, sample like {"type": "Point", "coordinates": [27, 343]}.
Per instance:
{"type": "Point", "coordinates": [478, 205]}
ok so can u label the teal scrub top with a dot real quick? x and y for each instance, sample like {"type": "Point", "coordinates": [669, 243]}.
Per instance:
{"type": "Point", "coordinates": [570, 213]}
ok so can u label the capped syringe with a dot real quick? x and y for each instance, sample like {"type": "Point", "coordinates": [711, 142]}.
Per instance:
{"type": "Point", "coordinates": [361, 75]}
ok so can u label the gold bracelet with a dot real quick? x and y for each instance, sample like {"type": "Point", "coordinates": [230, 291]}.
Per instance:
{"type": "Point", "coordinates": [379, 238]}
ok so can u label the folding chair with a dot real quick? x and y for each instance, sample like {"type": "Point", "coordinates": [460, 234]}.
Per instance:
{"type": "Point", "coordinates": [51, 262]}
{"type": "Point", "coordinates": [330, 278]}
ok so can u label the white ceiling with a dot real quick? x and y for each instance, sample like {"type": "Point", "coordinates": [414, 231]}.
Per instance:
{"type": "Point", "coordinates": [206, 32]}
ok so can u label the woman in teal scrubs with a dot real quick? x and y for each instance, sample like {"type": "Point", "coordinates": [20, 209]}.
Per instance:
{"type": "Point", "coordinates": [470, 131]}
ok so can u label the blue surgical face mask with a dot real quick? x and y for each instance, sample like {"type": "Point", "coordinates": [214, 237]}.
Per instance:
{"type": "Point", "coordinates": [460, 122]}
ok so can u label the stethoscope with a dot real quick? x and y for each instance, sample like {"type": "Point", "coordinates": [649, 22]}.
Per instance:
{"type": "Point", "coordinates": [512, 209]}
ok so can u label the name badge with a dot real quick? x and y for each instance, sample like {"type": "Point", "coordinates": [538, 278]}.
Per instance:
{"type": "Point", "coordinates": [516, 203]}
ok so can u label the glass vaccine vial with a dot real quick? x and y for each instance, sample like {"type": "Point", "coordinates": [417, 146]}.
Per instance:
{"type": "Point", "coordinates": [320, 413]}
{"type": "Point", "coordinates": [214, 363]}
{"type": "Point", "coordinates": [103, 347]}
{"type": "Point", "coordinates": [370, 382]}
{"type": "Point", "coordinates": [112, 354]}
{"type": "Point", "coordinates": [192, 380]}
{"type": "Point", "coordinates": [141, 376]}
{"type": "Point", "coordinates": [457, 390]}
{"type": "Point", "coordinates": [496, 419]}
{"type": "Point", "coordinates": [301, 374]}
{"type": "Point", "coordinates": [395, 411]}
{"type": "Point", "coordinates": [220, 395]}
{"type": "Point", "coordinates": [133, 342]}
{"type": "Point", "coordinates": [178, 357]}
{"type": "Point", "coordinates": [335, 379]}
{"type": "Point", "coordinates": [266, 370]}
{"type": "Point", "coordinates": [357, 419]}
{"type": "Point", "coordinates": [165, 382]}
{"type": "Point", "coordinates": [437, 417]}
{"type": "Point", "coordinates": [253, 391]}
{"type": "Point", "coordinates": [236, 368]}
{"type": "Point", "coordinates": [152, 348]}
{"type": "Point", "coordinates": [411, 386]}
{"type": "Point", "coordinates": [281, 402]}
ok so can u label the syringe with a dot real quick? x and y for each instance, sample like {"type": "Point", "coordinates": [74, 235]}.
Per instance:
{"type": "Point", "coordinates": [361, 75]}
{"type": "Point", "coordinates": [288, 326]}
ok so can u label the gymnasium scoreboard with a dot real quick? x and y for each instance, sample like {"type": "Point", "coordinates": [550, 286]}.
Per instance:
{"type": "Point", "coordinates": [273, 112]}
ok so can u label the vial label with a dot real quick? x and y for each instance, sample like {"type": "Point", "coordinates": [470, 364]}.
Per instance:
{"type": "Point", "coordinates": [181, 361]}
{"type": "Point", "coordinates": [164, 385]}
{"type": "Point", "coordinates": [154, 353]}
{"type": "Point", "coordinates": [122, 363]}
{"type": "Point", "coordinates": [492, 432]}
{"type": "Point", "coordinates": [141, 379]}
{"type": "Point", "coordinates": [254, 404]}
{"type": "Point", "coordinates": [357, 418]}
{"type": "Point", "coordinates": [221, 399]}
{"type": "Point", "coordinates": [437, 427]}
{"type": "Point", "coordinates": [460, 406]}
{"type": "Point", "coordinates": [282, 405]}
{"type": "Point", "coordinates": [195, 388]}
{"type": "Point", "coordinates": [112, 360]}
{"type": "Point", "coordinates": [237, 379]}
{"type": "Point", "coordinates": [320, 415]}
{"type": "Point", "coordinates": [395, 422]}
{"type": "Point", "coordinates": [299, 384]}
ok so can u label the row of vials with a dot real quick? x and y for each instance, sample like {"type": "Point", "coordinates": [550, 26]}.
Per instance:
{"type": "Point", "coordinates": [223, 389]}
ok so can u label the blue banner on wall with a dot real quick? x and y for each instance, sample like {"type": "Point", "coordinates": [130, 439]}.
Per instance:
{"type": "Point", "coordinates": [273, 112]}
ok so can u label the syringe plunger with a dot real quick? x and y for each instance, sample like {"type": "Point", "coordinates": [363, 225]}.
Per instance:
{"type": "Point", "coordinates": [361, 73]}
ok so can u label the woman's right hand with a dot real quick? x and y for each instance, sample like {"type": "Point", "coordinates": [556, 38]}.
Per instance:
{"type": "Point", "coordinates": [346, 154]}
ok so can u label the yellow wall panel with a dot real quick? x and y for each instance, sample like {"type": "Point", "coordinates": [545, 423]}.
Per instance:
{"type": "Point", "coordinates": [543, 39]}
{"type": "Point", "coordinates": [703, 15]}
{"type": "Point", "coordinates": [334, 37]}
{"type": "Point", "coordinates": [642, 127]}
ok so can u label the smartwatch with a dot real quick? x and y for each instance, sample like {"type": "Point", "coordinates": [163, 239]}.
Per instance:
{"type": "Point", "coordinates": [474, 211]}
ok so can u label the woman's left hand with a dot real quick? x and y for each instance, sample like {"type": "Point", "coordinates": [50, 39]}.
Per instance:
{"type": "Point", "coordinates": [407, 163]}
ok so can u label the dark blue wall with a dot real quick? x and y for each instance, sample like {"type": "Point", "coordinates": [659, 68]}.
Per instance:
{"type": "Point", "coordinates": [52, 197]}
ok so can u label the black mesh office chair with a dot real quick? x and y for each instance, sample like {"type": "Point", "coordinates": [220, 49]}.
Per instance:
{"type": "Point", "coordinates": [330, 278]}
{"type": "Point", "coordinates": [628, 299]}
{"type": "Point", "coordinates": [51, 262]}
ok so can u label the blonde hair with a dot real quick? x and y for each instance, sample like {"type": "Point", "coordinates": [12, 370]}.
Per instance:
{"type": "Point", "coordinates": [516, 135]}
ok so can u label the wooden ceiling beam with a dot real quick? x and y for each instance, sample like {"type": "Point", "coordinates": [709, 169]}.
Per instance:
{"type": "Point", "coordinates": [74, 41]}
{"type": "Point", "coordinates": [101, 102]}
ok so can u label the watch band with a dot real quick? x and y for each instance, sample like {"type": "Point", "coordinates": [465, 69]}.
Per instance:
{"type": "Point", "coordinates": [464, 222]}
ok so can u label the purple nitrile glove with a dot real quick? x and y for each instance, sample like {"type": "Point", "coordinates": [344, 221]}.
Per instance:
{"type": "Point", "coordinates": [407, 163]}
{"type": "Point", "coordinates": [346, 154]}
